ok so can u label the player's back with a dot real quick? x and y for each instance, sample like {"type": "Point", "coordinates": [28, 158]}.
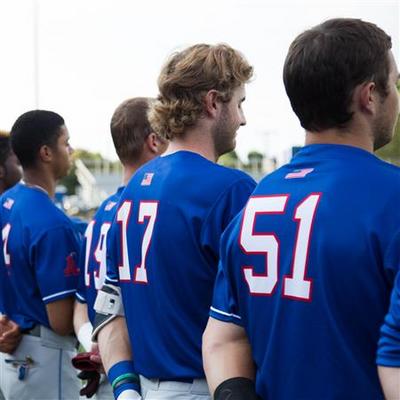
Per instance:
{"type": "Point", "coordinates": [176, 208]}
{"type": "Point", "coordinates": [30, 226]}
{"type": "Point", "coordinates": [92, 258]}
{"type": "Point", "coordinates": [323, 227]}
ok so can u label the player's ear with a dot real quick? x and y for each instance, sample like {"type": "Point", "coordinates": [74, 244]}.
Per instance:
{"type": "Point", "coordinates": [155, 143]}
{"type": "Point", "coordinates": [365, 98]}
{"type": "Point", "coordinates": [211, 103]}
{"type": "Point", "coordinates": [45, 153]}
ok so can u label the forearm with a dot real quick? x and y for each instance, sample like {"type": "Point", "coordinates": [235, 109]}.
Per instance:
{"type": "Point", "coordinates": [226, 356]}
{"type": "Point", "coordinates": [82, 326]}
{"type": "Point", "coordinates": [390, 381]}
{"type": "Point", "coordinates": [60, 314]}
{"type": "Point", "coordinates": [114, 343]}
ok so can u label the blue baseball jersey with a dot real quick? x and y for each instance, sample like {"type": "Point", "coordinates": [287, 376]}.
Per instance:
{"type": "Point", "coordinates": [307, 268]}
{"type": "Point", "coordinates": [92, 259]}
{"type": "Point", "coordinates": [8, 300]}
{"type": "Point", "coordinates": [164, 252]}
{"type": "Point", "coordinates": [389, 342]}
{"type": "Point", "coordinates": [40, 248]}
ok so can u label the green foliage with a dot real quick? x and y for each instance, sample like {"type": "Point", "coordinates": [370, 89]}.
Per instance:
{"type": "Point", "coordinates": [255, 155]}
{"type": "Point", "coordinates": [71, 181]}
{"type": "Point", "coordinates": [230, 160]}
{"type": "Point", "coordinates": [86, 155]}
{"type": "Point", "coordinates": [391, 152]}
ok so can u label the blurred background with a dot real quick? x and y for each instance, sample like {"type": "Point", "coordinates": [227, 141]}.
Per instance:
{"type": "Point", "coordinates": [83, 58]}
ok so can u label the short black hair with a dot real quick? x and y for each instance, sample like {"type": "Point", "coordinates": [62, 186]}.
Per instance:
{"type": "Point", "coordinates": [326, 63]}
{"type": "Point", "coordinates": [5, 147]}
{"type": "Point", "coordinates": [31, 131]}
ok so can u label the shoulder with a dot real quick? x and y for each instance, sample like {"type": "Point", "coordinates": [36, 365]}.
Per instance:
{"type": "Point", "coordinates": [108, 206]}
{"type": "Point", "coordinates": [389, 169]}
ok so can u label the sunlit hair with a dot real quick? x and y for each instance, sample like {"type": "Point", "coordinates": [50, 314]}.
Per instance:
{"type": "Point", "coordinates": [130, 128]}
{"type": "Point", "coordinates": [187, 77]}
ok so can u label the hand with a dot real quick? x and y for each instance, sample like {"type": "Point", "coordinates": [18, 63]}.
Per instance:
{"type": "Point", "coordinates": [88, 372]}
{"type": "Point", "coordinates": [10, 335]}
{"type": "Point", "coordinates": [96, 358]}
{"type": "Point", "coordinates": [92, 379]}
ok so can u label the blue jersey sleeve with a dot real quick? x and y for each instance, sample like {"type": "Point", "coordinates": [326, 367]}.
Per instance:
{"type": "Point", "coordinates": [55, 259]}
{"type": "Point", "coordinates": [392, 255]}
{"type": "Point", "coordinates": [224, 307]}
{"type": "Point", "coordinates": [227, 206]}
{"type": "Point", "coordinates": [389, 342]}
{"type": "Point", "coordinates": [80, 294]}
{"type": "Point", "coordinates": [112, 276]}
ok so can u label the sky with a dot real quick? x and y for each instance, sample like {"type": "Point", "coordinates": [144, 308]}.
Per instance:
{"type": "Point", "coordinates": [83, 57]}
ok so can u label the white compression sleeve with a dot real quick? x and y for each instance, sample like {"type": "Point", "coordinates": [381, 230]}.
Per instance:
{"type": "Point", "coordinates": [85, 336]}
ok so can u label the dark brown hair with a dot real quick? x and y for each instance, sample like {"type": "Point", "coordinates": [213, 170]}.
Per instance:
{"type": "Point", "coordinates": [325, 64]}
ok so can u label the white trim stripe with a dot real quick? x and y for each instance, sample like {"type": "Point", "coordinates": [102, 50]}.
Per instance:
{"type": "Point", "coordinates": [111, 280]}
{"type": "Point", "coordinates": [80, 297]}
{"type": "Point", "coordinates": [224, 313]}
{"type": "Point", "coordinates": [58, 294]}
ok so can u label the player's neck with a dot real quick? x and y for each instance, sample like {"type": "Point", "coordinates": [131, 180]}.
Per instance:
{"type": "Point", "coordinates": [196, 141]}
{"type": "Point", "coordinates": [334, 136]}
{"type": "Point", "coordinates": [41, 181]}
{"type": "Point", "coordinates": [127, 172]}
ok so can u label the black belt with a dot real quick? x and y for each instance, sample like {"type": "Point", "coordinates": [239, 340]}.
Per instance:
{"type": "Point", "coordinates": [184, 380]}
{"type": "Point", "coordinates": [35, 331]}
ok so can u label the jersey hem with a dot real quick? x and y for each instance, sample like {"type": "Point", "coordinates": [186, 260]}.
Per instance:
{"type": "Point", "coordinates": [224, 316]}
{"type": "Point", "coordinates": [57, 296]}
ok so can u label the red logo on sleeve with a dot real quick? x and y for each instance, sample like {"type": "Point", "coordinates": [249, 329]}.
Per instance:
{"type": "Point", "coordinates": [71, 269]}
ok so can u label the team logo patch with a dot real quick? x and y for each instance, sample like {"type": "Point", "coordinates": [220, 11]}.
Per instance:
{"type": "Point", "coordinates": [8, 203]}
{"type": "Point", "coordinates": [299, 173]}
{"type": "Point", "coordinates": [148, 177]}
{"type": "Point", "coordinates": [110, 205]}
{"type": "Point", "coordinates": [71, 268]}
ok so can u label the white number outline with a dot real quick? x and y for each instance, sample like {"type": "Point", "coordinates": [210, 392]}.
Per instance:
{"type": "Point", "coordinates": [100, 255]}
{"type": "Point", "coordinates": [5, 232]}
{"type": "Point", "coordinates": [148, 210]}
{"type": "Point", "coordinates": [295, 285]}
{"type": "Point", "coordinates": [297, 281]}
{"type": "Point", "coordinates": [123, 217]}
{"type": "Point", "coordinates": [89, 236]}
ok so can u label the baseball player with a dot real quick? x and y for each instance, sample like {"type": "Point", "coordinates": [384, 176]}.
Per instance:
{"type": "Point", "coordinates": [164, 242]}
{"type": "Point", "coordinates": [135, 143]}
{"type": "Point", "coordinates": [388, 358]}
{"type": "Point", "coordinates": [10, 174]}
{"type": "Point", "coordinates": [307, 267]}
{"type": "Point", "coordinates": [40, 246]}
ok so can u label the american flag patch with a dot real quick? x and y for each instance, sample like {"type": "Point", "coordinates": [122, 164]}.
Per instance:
{"type": "Point", "coordinates": [299, 173]}
{"type": "Point", "coordinates": [110, 205]}
{"type": "Point", "coordinates": [148, 177]}
{"type": "Point", "coordinates": [8, 203]}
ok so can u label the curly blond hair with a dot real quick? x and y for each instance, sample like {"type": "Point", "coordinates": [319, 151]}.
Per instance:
{"type": "Point", "coordinates": [187, 77]}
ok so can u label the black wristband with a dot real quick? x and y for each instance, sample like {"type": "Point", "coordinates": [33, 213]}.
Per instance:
{"type": "Point", "coordinates": [236, 389]}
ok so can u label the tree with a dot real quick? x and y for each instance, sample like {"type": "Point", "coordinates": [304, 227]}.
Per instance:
{"type": "Point", "coordinates": [391, 152]}
{"type": "Point", "coordinates": [71, 181]}
{"type": "Point", "coordinates": [230, 160]}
